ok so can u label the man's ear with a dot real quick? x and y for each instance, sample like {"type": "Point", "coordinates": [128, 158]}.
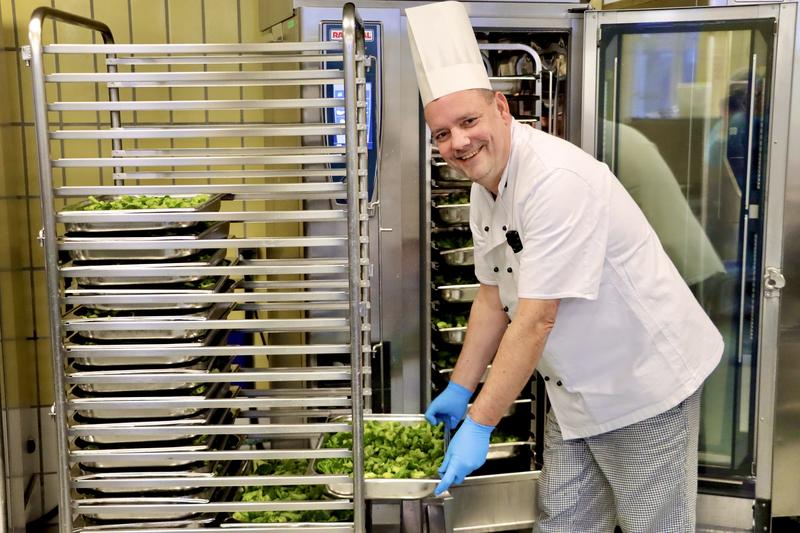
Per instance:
{"type": "Point", "coordinates": [501, 104]}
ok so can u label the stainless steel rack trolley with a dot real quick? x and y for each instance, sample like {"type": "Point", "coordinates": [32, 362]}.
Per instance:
{"type": "Point", "coordinates": [164, 413]}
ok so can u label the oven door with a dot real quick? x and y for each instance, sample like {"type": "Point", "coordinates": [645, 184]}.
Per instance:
{"type": "Point", "coordinates": [689, 109]}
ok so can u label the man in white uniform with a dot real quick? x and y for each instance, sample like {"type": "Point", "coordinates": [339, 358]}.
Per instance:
{"type": "Point", "coordinates": [573, 283]}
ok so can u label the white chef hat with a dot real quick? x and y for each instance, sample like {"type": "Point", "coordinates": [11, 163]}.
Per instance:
{"type": "Point", "coordinates": [446, 55]}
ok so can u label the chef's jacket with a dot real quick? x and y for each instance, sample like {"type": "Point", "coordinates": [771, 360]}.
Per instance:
{"type": "Point", "coordinates": [629, 341]}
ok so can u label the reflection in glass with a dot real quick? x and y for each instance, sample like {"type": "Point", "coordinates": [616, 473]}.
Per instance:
{"type": "Point", "coordinates": [683, 124]}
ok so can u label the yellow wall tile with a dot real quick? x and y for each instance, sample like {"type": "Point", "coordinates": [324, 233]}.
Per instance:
{"type": "Point", "coordinates": [41, 304]}
{"type": "Point", "coordinates": [12, 178]}
{"type": "Point", "coordinates": [16, 315]}
{"type": "Point", "coordinates": [12, 386]}
{"type": "Point", "coordinates": [12, 107]}
{"type": "Point", "coordinates": [222, 25]}
{"type": "Point", "coordinates": [15, 224]}
{"type": "Point", "coordinates": [248, 19]}
{"type": "Point", "coordinates": [185, 21]}
{"type": "Point", "coordinates": [44, 353]}
{"type": "Point", "coordinates": [69, 33]}
{"type": "Point", "coordinates": [148, 20]}
{"type": "Point", "coordinates": [114, 13]}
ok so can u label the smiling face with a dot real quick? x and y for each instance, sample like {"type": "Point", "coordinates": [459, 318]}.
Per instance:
{"type": "Point", "coordinates": [472, 129]}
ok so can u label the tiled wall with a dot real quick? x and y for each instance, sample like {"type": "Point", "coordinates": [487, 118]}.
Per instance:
{"type": "Point", "coordinates": [27, 370]}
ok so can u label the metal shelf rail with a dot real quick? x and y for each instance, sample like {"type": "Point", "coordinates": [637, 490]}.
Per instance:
{"type": "Point", "coordinates": [125, 478]}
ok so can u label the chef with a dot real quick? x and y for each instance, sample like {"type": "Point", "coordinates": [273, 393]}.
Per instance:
{"type": "Point", "coordinates": [575, 284]}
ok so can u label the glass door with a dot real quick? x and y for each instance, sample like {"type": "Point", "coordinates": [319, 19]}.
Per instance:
{"type": "Point", "coordinates": [680, 116]}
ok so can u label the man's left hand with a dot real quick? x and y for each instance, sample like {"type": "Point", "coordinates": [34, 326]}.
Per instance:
{"type": "Point", "coordinates": [467, 451]}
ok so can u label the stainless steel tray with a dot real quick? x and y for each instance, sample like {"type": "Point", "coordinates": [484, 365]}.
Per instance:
{"type": "Point", "coordinates": [458, 293]}
{"type": "Point", "coordinates": [194, 377]}
{"type": "Point", "coordinates": [453, 214]}
{"type": "Point", "coordinates": [204, 259]}
{"type": "Point", "coordinates": [125, 438]}
{"type": "Point", "coordinates": [459, 256]}
{"type": "Point", "coordinates": [87, 226]}
{"type": "Point", "coordinates": [506, 450]}
{"type": "Point", "coordinates": [215, 231]}
{"type": "Point", "coordinates": [221, 284]}
{"type": "Point", "coordinates": [448, 173]}
{"type": "Point", "coordinates": [147, 490]}
{"type": "Point", "coordinates": [386, 489]}
{"type": "Point", "coordinates": [329, 526]}
{"type": "Point", "coordinates": [163, 359]}
{"type": "Point", "coordinates": [116, 462]}
{"type": "Point", "coordinates": [198, 522]}
{"type": "Point", "coordinates": [98, 413]}
{"type": "Point", "coordinates": [215, 312]}
{"type": "Point", "coordinates": [143, 510]}
{"type": "Point", "coordinates": [453, 335]}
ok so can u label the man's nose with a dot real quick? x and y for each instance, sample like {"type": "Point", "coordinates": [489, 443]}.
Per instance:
{"type": "Point", "coordinates": [460, 139]}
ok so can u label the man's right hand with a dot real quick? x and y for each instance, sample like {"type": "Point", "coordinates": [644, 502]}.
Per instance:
{"type": "Point", "coordinates": [450, 406]}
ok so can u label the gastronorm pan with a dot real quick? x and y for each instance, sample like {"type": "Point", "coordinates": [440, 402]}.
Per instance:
{"type": "Point", "coordinates": [206, 258]}
{"type": "Point", "coordinates": [448, 173]}
{"type": "Point", "coordinates": [144, 490]}
{"type": "Point", "coordinates": [196, 317]}
{"type": "Point", "coordinates": [458, 293]}
{"type": "Point", "coordinates": [459, 256]}
{"type": "Point", "coordinates": [144, 508]}
{"type": "Point", "coordinates": [197, 233]}
{"type": "Point", "coordinates": [453, 335]}
{"type": "Point", "coordinates": [409, 489]}
{"type": "Point", "coordinates": [453, 213]}
{"type": "Point", "coordinates": [206, 286]}
{"type": "Point", "coordinates": [164, 355]}
{"type": "Point", "coordinates": [136, 379]}
{"type": "Point", "coordinates": [88, 226]}
{"type": "Point", "coordinates": [386, 489]}
{"type": "Point", "coordinates": [113, 460]}
{"type": "Point", "coordinates": [95, 411]}
{"type": "Point", "coordinates": [197, 522]}
{"type": "Point", "coordinates": [125, 438]}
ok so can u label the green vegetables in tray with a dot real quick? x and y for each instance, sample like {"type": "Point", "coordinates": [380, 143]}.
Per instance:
{"type": "Point", "coordinates": [391, 451]}
{"type": "Point", "coordinates": [288, 493]}
{"type": "Point", "coordinates": [140, 202]}
{"type": "Point", "coordinates": [451, 242]}
{"type": "Point", "coordinates": [444, 358]}
{"type": "Point", "coordinates": [499, 437]}
{"type": "Point", "coordinates": [454, 321]}
{"type": "Point", "coordinates": [455, 198]}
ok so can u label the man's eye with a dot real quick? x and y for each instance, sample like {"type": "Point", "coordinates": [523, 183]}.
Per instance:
{"type": "Point", "coordinates": [469, 121]}
{"type": "Point", "coordinates": [441, 136]}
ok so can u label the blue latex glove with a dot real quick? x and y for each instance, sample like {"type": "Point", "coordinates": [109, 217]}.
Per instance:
{"type": "Point", "coordinates": [467, 452]}
{"type": "Point", "coordinates": [449, 407]}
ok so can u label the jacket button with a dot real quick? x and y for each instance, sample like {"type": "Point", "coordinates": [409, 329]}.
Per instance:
{"type": "Point", "coordinates": [486, 228]}
{"type": "Point", "coordinates": [496, 269]}
{"type": "Point", "coordinates": [504, 228]}
{"type": "Point", "coordinates": [547, 378]}
{"type": "Point", "coordinates": [509, 270]}
{"type": "Point", "coordinates": [558, 382]}
{"type": "Point", "coordinates": [505, 309]}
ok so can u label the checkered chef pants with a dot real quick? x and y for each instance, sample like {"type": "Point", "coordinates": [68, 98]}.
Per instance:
{"type": "Point", "coordinates": [642, 477]}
